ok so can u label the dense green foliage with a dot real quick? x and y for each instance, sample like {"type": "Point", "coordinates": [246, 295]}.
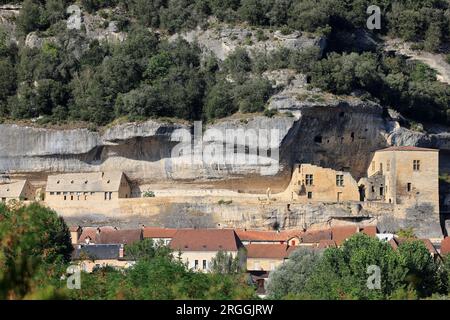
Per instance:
{"type": "Point", "coordinates": [341, 273]}
{"type": "Point", "coordinates": [34, 246]}
{"type": "Point", "coordinates": [74, 78]}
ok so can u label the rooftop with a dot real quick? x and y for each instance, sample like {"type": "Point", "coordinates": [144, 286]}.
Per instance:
{"type": "Point", "coordinates": [153, 232]}
{"type": "Point", "coordinates": [110, 235]}
{"type": "Point", "coordinates": [85, 182]}
{"type": "Point", "coordinates": [97, 252]}
{"type": "Point", "coordinates": [406, 148]}
{"type": "Point", "coordinates": [13, 189]}
{"type": "Point", "coordinates": [269, 251]}
{"type": "Point", "coordinates": [205, 240]}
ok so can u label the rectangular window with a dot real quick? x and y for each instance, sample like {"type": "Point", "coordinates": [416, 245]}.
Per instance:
{"type": "Point", "coordinates": [340, 180]}
{"type": "Point", "coordinates": [204, 265]}
{"type": "Point", "coordinates": [381, 167]}
{"type": "Point", "coordinates": [373, 165]}
{"type": "Point", "coordinates": [196, 264]}
{"type": "Point", "coordinates": [58, 193]}
{"type": "Point", "coordinates": [110, 195]}
{"type": "Point", "coordinates": [310, 195]}
{"type": "Point", "coordinates": [381, 191]}
{"type": "Point", "coordinates": [388, 166]}
{"type": "Point", "coordinates": [65, 197]}
{"type": "Point", "coordinates": [106, 195]}
{"type": "Point", "coordinates": [409, 187]}
{"type": "Point", "coordinates": [309, 179]}
{"type": "Point", "coordinates": [416, 165]}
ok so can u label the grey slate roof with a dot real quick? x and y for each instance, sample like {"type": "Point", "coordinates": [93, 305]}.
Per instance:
{"type": "Point", "coordinates": [97, 252]}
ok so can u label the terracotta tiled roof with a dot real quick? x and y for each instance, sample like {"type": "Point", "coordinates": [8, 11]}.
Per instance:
{"type": "Point", "coordinates": [342, 233]}
{"type": "Point", "coordinates": [85, 182]}
{"type": "Point", "coordinates": [445, 246]}
{"type": "Point", "coordinates": [90, 232]}
{"type": "Point", "coordinates": [371, 231]}
{"type": "Point", "coordinates": [323, 244]}
{"type": "Point", "coordinates": [396, 242]}
{"type": "Point", "coordinates": [119, 236]}
{"type": "Point", "coordinates": [110, 235]}
{"type": "Point", "coordinates": [315, 236]}
{"type": "Point", "coordinates": [268, 236]}
{"type": "Point", "coordinates": [205, 240]}
{"type": "Point", "coordinates": [269, 251]}
{"type": "Point", "coordinates": [152, 232]}
{"type": "Point", "coordinates": [406, 148]}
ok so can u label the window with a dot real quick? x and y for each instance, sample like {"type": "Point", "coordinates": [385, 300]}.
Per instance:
{"type": "Point", "coordinates": [310, 195]}
{"type": "Point", "coordinates": [309, 179]}
{"type": "Point", "coordinates": [65, 197]}
{"type": "Point", "coordinates": [52, 193]}
{"type": "Point", "coordinates": [381, 191]}
{"type": "Point", "coordinates": [373, 165]}
{"type": "Point", "coordinates": [196, 264]}
{"type": "Point", "coordinates": [409, 187]}
{"type": "Point", "coordinates": [106, 195]}
{"type": "Point", "coordinates": [340, 180]}
{"type": "Point", "coordinates": [416, 165]}
{"type": "Point", "coordinates": [388, 166]}
{"type": "Point", "coordinates": [381, 167]}
{"type": "Point", "coordinates": [58, 193]}
{"type": "Point", "coordinates": [204, 264]}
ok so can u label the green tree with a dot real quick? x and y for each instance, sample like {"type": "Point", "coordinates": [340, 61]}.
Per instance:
{"type": "Point", "coordinates": [290, 278]}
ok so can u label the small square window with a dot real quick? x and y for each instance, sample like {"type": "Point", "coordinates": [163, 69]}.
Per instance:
{"type": "Point", "coordinates": [310, 195]}
{"type": "Point", "coordinates": [309, 179]}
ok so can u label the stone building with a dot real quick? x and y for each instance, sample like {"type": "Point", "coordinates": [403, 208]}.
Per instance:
{"type": "Point", "coordinates": [16, 190]}
{"type": "Point", "coordinates": [403, 176]}
{"type": "Point", "coordinates": [312, 183]}
{"type": "Point", "coordinates": [93, 186]}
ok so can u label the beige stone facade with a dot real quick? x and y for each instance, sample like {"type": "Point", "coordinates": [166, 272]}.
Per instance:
{"type": "Point", "coordinates": [16, 190]}
{"type": "Point", "coordinates": [411, 176]}
{"type": "Point", "coordinates": [316, 184]}
{"type": "Point", "coordinates": [94, 186]}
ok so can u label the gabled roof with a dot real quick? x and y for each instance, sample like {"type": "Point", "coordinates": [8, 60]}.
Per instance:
{"type": "Point", "coordinates": [406, 148]}
{"type": "Point", "coordinates": [90, 232]}
{"type": "Point", "coordinates": [396, 242]}
{"type": "Point", "coordinates": [315, 236]}
{"type": "Point", "coordinates": [266, 236]}
{"type": "Point", "coordinates": [13, 189]}
{"type": "Point", "coordinates": [342, 233]}
{"type": "Point", "coordinates": [205, 240]}
{"type": "Point", "coordinates": [85, 182]}
{"type": "Point", "coordinates": [324, 244]}
{"type": "Point", "coordinates": [153, 232]}
{"type": "Point", "coordinates": [269, 251]}
{"type": "Point", "coordinates": [119, 236]}
{"type": "Point", "coordinates": [97, 252]}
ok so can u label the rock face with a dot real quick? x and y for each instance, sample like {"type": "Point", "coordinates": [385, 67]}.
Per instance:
{"type": "Point", "coordinates": [223, 40]}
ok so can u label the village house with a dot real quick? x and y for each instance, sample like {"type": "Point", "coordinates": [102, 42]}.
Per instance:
{"type": "Point", "coordinates": [90, 257]}
{"type": "Point", "coordinates": [316, 184]}
{"type": "Point", "coordinates": [268, 237]}
{"type": "Point", "coordinates": [159, 235]}
{"type": "Point", "coordinates": [445, 246]}
{"type": "Point", "coordinates": [109, 235]}
{"type": "Point", "coordinates": [199, 246]}
{"type": "Point", "coordinates": [16, 190]}
{"type": "Point", "coordinates": [267, 257]}
{"type": "Point", "coordinates": [93, 186]}
{"type": "Point", "coordinates": [403, 175]}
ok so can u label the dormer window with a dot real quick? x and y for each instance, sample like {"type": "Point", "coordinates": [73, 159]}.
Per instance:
{"type": "Point", "coordinates": [57, 182]}
{"type": "Point", "coordinates": [71, 182]}
{"type": "Point", "coordinates": [108, 181]}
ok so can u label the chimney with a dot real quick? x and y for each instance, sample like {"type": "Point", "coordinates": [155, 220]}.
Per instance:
{"type": "Point", "coordinates": [121, 251]}
{"type": "Point", "coordinates": [98, 230]}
